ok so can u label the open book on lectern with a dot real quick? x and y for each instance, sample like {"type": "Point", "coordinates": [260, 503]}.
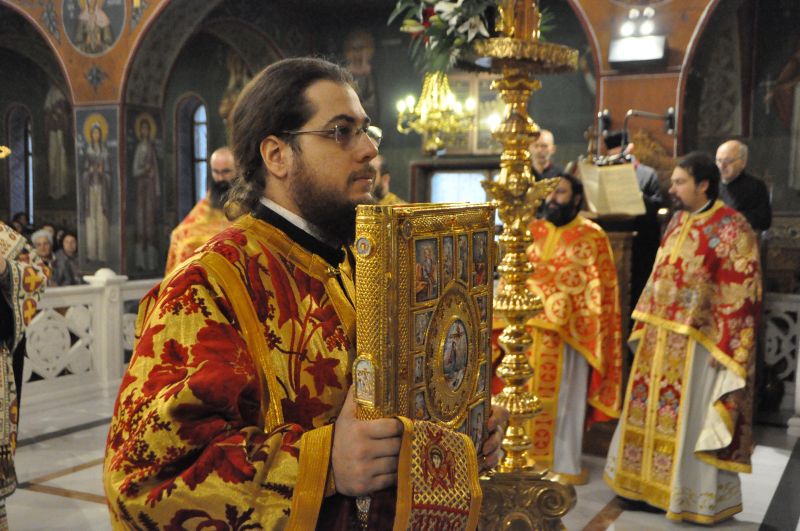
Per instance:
{"type": "Point", "coordinates": [612, 190]}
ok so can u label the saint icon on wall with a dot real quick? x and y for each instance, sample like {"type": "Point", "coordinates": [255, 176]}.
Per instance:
{"type": "Point", "coordinates": [148, 193]}
{"type": "Point", "coordinates": [96, 181]}
{"type": "Point", "coordinates": [93, 26]}
{"type": "Point", "coordinates": [463, 265]}
{"type": "Point", "coordinates": [57, 114]}
{"type": "Point", "coordinates": [358, 49]}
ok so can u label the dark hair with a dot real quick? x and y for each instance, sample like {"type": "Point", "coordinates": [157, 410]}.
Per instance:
{"type": "Point", "coordinates": [273, 102]}
{"type": "Point", "coordinates": [702, 168]}
{"type": "Point", "coordinates": [576, 184]}
{"type": "Point", "coordinates": [613, 139]}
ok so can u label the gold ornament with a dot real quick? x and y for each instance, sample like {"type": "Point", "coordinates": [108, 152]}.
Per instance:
{"type": "Point", "coordinates": [518, 495]}
{"type": "Point", "coordinates": [437, 114]}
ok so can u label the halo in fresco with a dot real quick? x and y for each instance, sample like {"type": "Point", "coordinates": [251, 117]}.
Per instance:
{"type": "Point", "coordinates": [151, 122]}
{"type": "Point", "coordinates": [98, 120]}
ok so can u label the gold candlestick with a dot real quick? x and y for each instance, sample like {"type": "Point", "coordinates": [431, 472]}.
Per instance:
{"type": "Point", "coordinates": [518, 495]}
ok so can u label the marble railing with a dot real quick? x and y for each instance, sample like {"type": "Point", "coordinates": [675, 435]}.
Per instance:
{"type": "Point", "coordinates": [782, 349]}
{"type": "Point", "coordinates": [81, 338]}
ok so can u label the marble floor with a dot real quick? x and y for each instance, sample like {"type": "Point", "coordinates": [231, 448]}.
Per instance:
{"type": "Point", "coordinates": [59, 464]}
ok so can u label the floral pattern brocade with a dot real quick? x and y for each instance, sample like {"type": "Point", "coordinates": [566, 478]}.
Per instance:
{"type": "Point", "coordinates": [707, 278]}
{"type": "Point", "coordinates": [705, 285]}
{"type": "Point", "coordinates": [576, 278]}
{"type": "Point", "coordinates": [197, 228]}
{"type": "Point", "coordinates": [191, 444]}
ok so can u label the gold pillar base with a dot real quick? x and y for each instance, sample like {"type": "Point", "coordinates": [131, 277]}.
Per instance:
{"type": "Point", "coordinates": [517, 501]}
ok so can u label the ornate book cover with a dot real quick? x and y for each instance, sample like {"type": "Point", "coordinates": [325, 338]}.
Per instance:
{"type": "Point", "coordinates": [424, 313]}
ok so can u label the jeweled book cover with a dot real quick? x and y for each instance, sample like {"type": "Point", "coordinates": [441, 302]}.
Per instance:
{"type": "Point", "coordinates": [424, 313]}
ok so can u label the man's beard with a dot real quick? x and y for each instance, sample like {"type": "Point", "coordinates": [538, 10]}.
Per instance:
{"type": "Point", "coordinates": [218, 193]}
{"type": "Point", "coordinates": [324, 208]}
{"type": "Point", "coordinates": [678, 204]}
{"type": "Point", "coordinates": [558, 214]}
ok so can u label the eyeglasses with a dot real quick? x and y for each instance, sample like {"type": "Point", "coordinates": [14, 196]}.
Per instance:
{"type": "Point", "coordinates": [727, 162]}
{"type": "Point", "coordinates": [346, 135]}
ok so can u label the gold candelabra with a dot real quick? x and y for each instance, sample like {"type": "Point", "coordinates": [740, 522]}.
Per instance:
{"type": "Point", "coordinates": [518, 495]}
{"type": "Point", "coordinates": [437, 114]}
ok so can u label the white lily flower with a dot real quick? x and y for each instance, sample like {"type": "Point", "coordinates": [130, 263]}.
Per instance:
{"type": "Point", "coordinates": [473, 26]}
{"type": "Point", "coordinates": [448, 11]}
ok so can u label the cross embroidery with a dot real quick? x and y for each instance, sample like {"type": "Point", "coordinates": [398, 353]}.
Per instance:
{"type": "Point", "coordinates": [30, 280]}
{"type": "Point", "coordinates": [28, 310]}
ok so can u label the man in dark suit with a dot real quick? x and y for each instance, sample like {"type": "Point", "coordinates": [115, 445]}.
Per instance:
{"type": "Point", "coordinates": [741, 190]}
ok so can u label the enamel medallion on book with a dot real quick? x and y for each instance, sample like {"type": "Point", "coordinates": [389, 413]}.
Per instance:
{"type": "Point", "coordinates": [424, 313]}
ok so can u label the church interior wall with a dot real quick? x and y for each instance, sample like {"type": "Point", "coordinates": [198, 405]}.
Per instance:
{"type": "Point", "coordinates": [34, 83]}
{"type": "Point", "coordinates": [727, 107]}
{"type": "Point", "coordinates": [170, 49]}
{"type": "Point", "coordinates": [742, 84]}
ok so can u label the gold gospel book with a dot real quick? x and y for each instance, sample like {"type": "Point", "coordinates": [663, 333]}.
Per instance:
{"type": "Point", "coordinates": [424, 313]}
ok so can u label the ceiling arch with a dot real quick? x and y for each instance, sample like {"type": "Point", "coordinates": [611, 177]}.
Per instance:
{"type": "Point", "coordinates": [250, 43]}
{"type": "Point", "coordinates": [159, 46]}
{"type": "Point", "coordinates": [162, 42]}
{"type": "Point", "coordinates": [22, 36]}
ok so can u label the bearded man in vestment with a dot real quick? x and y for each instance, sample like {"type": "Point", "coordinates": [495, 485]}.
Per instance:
{"type": "Point", "coordinates": [207, 217]}
{"type": "Point", "coordinates": [685, 430]}
{"type": "Point", "coordinates": [236, 409]}
{"type": "Point", "coordinates": [23, 278]}
{"type": "Point", "coordinates": [577, 353]}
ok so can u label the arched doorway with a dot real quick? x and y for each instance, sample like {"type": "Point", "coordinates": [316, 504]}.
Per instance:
{"type": "Point", "coordinates": [36, 114]}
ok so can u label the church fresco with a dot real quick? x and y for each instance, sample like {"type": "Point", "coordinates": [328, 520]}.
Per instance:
{"type": "Point", "coordinates": [97, 152]}
{"type": "Point", "coordinates": [144, 192]}
{"type": "Point", "coordinates": [93, 26]}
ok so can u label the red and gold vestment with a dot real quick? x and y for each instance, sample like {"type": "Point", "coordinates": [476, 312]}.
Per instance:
{"type": "Point", "coordinates": [21, 287]}
{"type": "Point", "coordinates": [697, 315]}
{"type": "Point", "coordinates": [576, 278]}
{"type": "Point", "coordinates": [225, 416]}
{"type": "Point", "coordinates": [199, 225]}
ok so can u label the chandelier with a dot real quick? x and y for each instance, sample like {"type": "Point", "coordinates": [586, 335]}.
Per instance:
{"type": "Point", "coordinates": [437, 115]}
{"type": "Point", "coordinates": [4, 152]}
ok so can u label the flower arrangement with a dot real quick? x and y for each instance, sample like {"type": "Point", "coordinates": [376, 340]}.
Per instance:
{"type": "Point", "coordinates": [443, 30]}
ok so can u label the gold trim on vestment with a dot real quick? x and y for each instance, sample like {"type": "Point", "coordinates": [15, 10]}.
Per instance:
{"type": "Point", "coordinates": [565, 337]}
{"type": "Point", "coordinates": [402, 513]}
{"type": "Point", "coordinates": [231, 283]}
{"type": "Point", "coordinates": [684, 515]}
{"type": "Point", "coordinates": [476, 493]}
{"type": "Point", "coordinates": [687, 330]}
{"type": "Point", "coordinates": [312, 476]}
{"type": "Point", "coordinates": [604, 409]}
{"type": "Point", "coordinates": [687, 226]}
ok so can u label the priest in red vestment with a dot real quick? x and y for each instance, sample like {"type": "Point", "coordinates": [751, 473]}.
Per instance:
{"type": "Point", "coordinates": [207, 217]}
{"type": "Point", "coordinates": [685, 431]}
{"type": "Point", "coordinates": [577, 343]}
